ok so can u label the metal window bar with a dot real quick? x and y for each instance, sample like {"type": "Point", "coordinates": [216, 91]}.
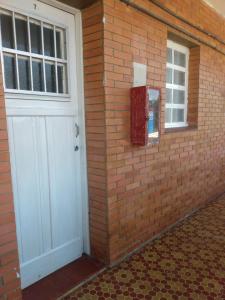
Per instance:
{"type": "Point", "coordinates": [43, 59]}
{"type": "Point", "coordinates": [29, 45]}
{"type": "Point", "coordinates": [34, 55]}
{"type": "Point", "coordinates": [2, 56]}
{"type": "Point", "coordinates": [30, 55]}
{"type": "Point", "coordinates": [56, 64]}
{"type": "Point", "coordinates": [16, 56]}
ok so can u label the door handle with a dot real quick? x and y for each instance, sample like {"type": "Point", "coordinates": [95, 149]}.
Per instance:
{"type": "Point", "coordinates": [77, 128]}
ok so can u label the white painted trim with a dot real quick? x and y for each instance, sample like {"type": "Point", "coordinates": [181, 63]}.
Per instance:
{"type": "Point", "coordinates": [26, 95]}
{"type": "Point", "coordinates": [175, 67]}
{"type": "Point", "coordinates": [176, 125]}
{"type": "Point", "coordinates": [177, 87]}
{"type": "Point", "coordinates": [61, 6]}
{"type": "Point", "coordinates": [34, 55]}
{"type": "Point", "coordinates": [81, 116]}
{"type": "Point", "coordinates": [174, 46]}
{"type": "Point", "coordinates": [179, 47]}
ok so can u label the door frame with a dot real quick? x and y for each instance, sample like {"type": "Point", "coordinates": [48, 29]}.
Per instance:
{"type": "Point", "coordinates": [81, 115]}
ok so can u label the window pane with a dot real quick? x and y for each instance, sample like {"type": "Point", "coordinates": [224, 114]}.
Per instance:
{"type": "Point", "coordinates": [38, 79]}
{"type": "Point", "coordinates": [24, 73]}
{"type": "Point", "coordinates": [169, 55]}
{"type": "Point", "coordinates": [61, 43]}
{"type": "Point", "coordinates": [62, 80]}
{"type": "Point", "coordinates": [10, 71]}
{"type": "Point", "coordinates": [21, 35]}
{"type": "Point", "coordinates": [168, 115]}
{"type": "Point", "coordinates": [179, 59]}
{"type": "Point", "coordinates": [49, 42]}
{"type": "Point", "coordinates": [178, 97]}
{"type": "Point", "coordinates": [168, 95]}
{"type": "Point", "coordinates": [179, 77]}
{"type": "Point", "coordinates": [169, 75]}
{"type": "Point", "coordinates": [7, 31]}
{"type": "Point", "coordinates": [50, 77]}
{"type": "Point", "coordinates": [178, 115]}
{"type": "Point", "coordinates": [35, 32]}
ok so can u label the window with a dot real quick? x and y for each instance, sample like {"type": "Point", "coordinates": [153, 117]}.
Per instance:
{"type": "Point", "coordinates": [176, 85]}
{"type": "Point", "coordinates": [33, 54]}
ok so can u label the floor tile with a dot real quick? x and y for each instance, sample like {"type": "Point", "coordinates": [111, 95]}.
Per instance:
{"type": "Point", "coordinates": [187, 262]}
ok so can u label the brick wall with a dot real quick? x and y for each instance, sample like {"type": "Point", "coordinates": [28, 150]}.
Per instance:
{"type": "Point", "coordinates": [193, 86]}
{"type": "Point", "coordinates": [95, 128]}
{"type": "Point", "coordinates": [9, 283]}
{"type": "Point", "coordinates": [151, 187]}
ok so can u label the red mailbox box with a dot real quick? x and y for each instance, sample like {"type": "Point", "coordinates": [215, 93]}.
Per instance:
{"type": "Point", "coordinates": [145, 114]}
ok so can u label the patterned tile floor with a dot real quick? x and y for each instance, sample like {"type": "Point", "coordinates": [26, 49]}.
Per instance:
{"type": "Point", "coordinates": [188, 262]}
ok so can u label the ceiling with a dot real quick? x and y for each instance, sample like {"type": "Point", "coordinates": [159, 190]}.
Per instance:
{"type": "Point", "coordinates": [78, 3]}
{"type": "Point", "coordinates": [218, 5]}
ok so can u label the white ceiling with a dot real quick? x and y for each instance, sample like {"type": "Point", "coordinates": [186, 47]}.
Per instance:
{"type": "Point", "coordinates": [218, 5]}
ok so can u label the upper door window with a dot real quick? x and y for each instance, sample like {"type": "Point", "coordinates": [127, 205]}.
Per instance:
{"type": "Point", "coordinates": [34, 55]}
{"type": "Point", "coordinates": [176, 85]}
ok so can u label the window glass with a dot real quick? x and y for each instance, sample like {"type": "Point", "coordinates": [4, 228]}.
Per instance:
{"type": "Point", "coordinates": [24, 73]}
{"type": "Point", "coordinates": [21, 34]}
{"type": "Point", "coordinates": [178, 115]}
{"type": "Point", "coordinates": [49, 41]}
{"type": "Point", "coordinates": [62, 80]}
{"type": "Point", "coordinates": [169, 55]}
{"type": "Point", "coordinates": [169, 95]}
{"type": "Point", "coordinates": [35, 33]}
{"type": "Point", "coordinates": [60, 43]}
{"type": "Point", "coordinates": [169, 75]}
{"type": "Point", "coordinates": [50, 77]}
{"type": "Point", "coordinates": [7, 31]}
{"type": "Point", "coordinates": [179, 59]}
{"type": "Point", "coordinates": [38, 76]}
{"type": "Point", "coordinates": [10, 71]}
{"type": "Point", "coordinates": [179, 77]}
{"type": "Point", "coordinates": [168, 115]}
{"type": "Point", "coordinates": [178, 96]}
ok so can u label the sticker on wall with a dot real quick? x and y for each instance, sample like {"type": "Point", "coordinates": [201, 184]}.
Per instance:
{"type": "Point", "coordinates": [140, 74]}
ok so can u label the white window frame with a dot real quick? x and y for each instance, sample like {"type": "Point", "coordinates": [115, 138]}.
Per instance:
{"type": "Point", "coordinates": [29, 55]}
{"type": "Point", "coordinates": [174, 46]}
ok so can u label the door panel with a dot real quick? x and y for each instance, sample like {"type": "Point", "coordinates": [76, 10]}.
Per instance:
{"type": "Point", "coordinates": [63, 171]}
{"type": "Point", "coordinates": [45, 166]}
{"type": "Point", "coordinates": [31, 197]}
{"type": "Point", "coordinates": [45, 179]}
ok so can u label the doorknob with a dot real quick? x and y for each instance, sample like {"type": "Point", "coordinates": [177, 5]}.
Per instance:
{"type": "Point", "coordinates": [77, 130]}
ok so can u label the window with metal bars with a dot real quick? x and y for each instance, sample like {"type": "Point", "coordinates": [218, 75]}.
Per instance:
{"type": "Point", "coordinates": [34, 55]}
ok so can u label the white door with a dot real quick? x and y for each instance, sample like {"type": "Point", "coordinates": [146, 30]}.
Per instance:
{"type": "Point", "coordinates": [38, 51]}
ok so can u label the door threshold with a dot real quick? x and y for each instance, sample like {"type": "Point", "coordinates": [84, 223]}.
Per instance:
{"type": "Point", "coordinates": [60, 282]}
